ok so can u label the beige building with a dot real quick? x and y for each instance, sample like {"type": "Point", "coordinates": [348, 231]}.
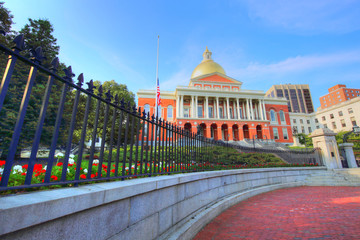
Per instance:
{"type": "Point", "coordinates": [304, 123]}
{"type": "Point", "coordinates": [340, 117]}
{"type": "Point", "coordinates": [298, 96]}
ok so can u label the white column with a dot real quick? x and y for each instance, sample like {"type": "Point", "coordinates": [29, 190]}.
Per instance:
{"type": "Point", "coordinates": [177, 106]}
{"type": "Point", "coordinates": [217, 108]}
{"type": "Point", "coordinates": [234, 109]}
{"type": "Point", "coordinates": [247, 109]}
{"type": "Point", "coordinates": [251, 110]}
{"type": "Point", "coordinates": [265, 116]}
{"type": "Point", "coordinates": [192, 112]}
{"type": "Point", "coordinates": [238, 108]}
{"type": "Point", "coordinates": [182, 106]}
{"type": "Point", "coordinates": [261, 109]}
{"type": "Point", "coordinates": [206, 107]}
{"type": "Point", "coordinates": [256, 114]}
{"type": "Point", "coordinates": [228, 108]}
{"type": "Point", "coordinates": [243, 110]}
{"type": "Point", "coordinates": [196, 107]}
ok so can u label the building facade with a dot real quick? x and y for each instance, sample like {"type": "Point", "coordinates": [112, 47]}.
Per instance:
{"type": "Point", "coordinates": [298, 96]}
{"type": "Point", "coordinates": [340, 117]}
{"type": "Point", "coordinates": [223, 110]}
{"type": "Point", "coordinates": [338, 94]}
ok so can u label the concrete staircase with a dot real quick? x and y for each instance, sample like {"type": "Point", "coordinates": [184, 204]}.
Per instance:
{"type": "Point", "coordinates": [336, 177]}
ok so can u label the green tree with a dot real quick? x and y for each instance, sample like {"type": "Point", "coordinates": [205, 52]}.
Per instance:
{"type": "Point", "coordinates": [6, 22]}
{"type": "Point", "coordinates": [115, 88]}
{"type": "Point", "coordinates": [303, 138]}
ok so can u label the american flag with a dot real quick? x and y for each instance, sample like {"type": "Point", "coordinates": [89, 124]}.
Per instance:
{"type": "Point", "coordinates": [158, 99]}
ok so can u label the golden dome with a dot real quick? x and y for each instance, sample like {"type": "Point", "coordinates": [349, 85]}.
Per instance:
{"type": "Point", "coordinates": [207, 66]}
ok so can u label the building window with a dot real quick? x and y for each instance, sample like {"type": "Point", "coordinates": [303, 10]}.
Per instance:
{"type": "Point", "coordinates": [310, 130]}
{"type": "Point", "coordinates": [353, 121]}
{"type": "Point", "coordinates": [331, 116]}
{"type": "Point", "coordinates": [285, 133]}
{"type": "Point", "coordinates": [211, 112]}
{"type": "Point", "coordinates": [282, 116]}
{"type": "Point", "coordinates": [350, 110]}
{"type": "Point", "coordinates": [317, 127]}
{"type": "Point", "coordinates": [302, 129]}
{"type": "Point", "coordinates": [221, 112]}
{"type": "Point", "coordinates": [334, 125]}
{"type": "Point", "coordinates": [272, 115]}
{"type": "Point", "coordinates": [147, 108]}
{"type": "Point", "coordinates": [340, 113]}
{"type": "Point", "coordinates": [323, 118]}
{"type": "Point", "coordinates": [301, 121]}
{"type": "Point", "coordinates": [325, 125]}
{"type": "Point", "coordinates": [294, 120]}
{"type": "Point", "coordinates": [295, 129]}
{"type": "Point", "coordinates": [276, 133]}
{"type": "Point", "coordinates": [186, 112]}
{"type": "Point", "coordinates": [316, 120]}
{"type": "Point", "coordinates": [200, 111]}
{"type": "Point", "coordinates": [308, 121]}
{"type": "Point", "coordinates": [169, 111]}
{"type": "Point", "coordinates": [343, 124]}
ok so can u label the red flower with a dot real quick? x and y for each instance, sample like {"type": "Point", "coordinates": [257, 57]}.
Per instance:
{"type": "Point", "coordinates": [25, 166]}
{"type": "Point", "coordinates": [70, 165]}
{"type": "Point", "coordinates": [83, 176]}
{"type": "Point", "coordinates": [59, 164]}
{"type": "Point", "coordinates": [2, 162]}
{"type": "Point", "coordinates": [53, 177]}
{"type": "Point", "coordinates": [92, 175]}
{"type": "Point", "coordinates": [23, 174]}
{"type": "Point", "coordinates": [112, 170]}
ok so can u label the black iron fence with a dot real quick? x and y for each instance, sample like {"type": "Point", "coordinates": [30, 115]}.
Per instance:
{"type": "Point", "coordinates": [88, 136]}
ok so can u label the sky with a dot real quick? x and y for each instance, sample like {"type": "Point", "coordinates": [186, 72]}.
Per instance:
{"type": "Point", "coordinates": [258, 42]}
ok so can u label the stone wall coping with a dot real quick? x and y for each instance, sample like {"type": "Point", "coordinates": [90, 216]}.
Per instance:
{"type": "Point", "coordinates": [346, 144]}
{"type": "Point", "coordinates": [37, 207]}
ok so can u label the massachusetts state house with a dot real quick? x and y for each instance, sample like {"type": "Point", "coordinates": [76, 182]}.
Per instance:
{"type": "Point", "coordinates": [221, 107]}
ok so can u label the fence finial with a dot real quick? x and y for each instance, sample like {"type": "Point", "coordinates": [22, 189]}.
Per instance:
{"type": "Point", "coordinates": [116, 99]}
{"type": "Point", "coordinates": [90, 86]}
{"type": "Point", "coordinates": [100, 91]}
{"type": "Point", "coordinates": [54, 64]}
{"type": "Point", "coordinates": [68, 74]}
{"type": "Point", "coordinates": [80, 79]}
{"type": "Point", "coordinates": [108, 96]}
{"type": "Point", "coordinates": [19, 43]}
{"type": "Point", "coordinates": [37, 55]}
{"type": "Point", "coordinates": [122, 103]}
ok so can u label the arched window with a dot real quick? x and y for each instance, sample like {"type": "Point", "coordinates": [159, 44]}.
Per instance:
{"type": "Point", "coordinates": [272, 115]}
{"type": "Point", "coordinates": [282, 116]}
{"type": "Point", "coordinates": [169, 111]}
{"type": "Point", "coordinates": [147, 108]}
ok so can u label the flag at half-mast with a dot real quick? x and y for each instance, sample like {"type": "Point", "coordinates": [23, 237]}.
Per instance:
{"type": "Point", "coordinates": [158, 98]}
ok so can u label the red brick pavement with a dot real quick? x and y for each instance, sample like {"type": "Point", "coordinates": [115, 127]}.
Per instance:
{"type": "Point", "coordinates": [292, 213]}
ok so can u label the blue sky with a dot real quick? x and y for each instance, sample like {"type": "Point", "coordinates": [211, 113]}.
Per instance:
{"type": "Point", "coordinates": [259, 42]}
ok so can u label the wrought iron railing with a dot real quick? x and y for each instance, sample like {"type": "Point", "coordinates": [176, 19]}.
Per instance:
{"type": "Point", "coordinates": [133, 143]}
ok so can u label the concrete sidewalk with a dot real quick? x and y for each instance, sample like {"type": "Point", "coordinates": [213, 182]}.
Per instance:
{"type": "Point", "coordinates": [293, 213]}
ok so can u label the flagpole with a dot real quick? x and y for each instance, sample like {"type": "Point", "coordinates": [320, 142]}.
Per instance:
{"type": "Point", "coordinates": [157, 77]}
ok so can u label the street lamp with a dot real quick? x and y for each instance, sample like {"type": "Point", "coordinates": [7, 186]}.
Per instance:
{"type": "Point", "coordinates": [254, 137]}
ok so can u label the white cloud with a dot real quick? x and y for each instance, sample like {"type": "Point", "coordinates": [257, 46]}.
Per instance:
{"type": "Point", "coordinates": [295, 65]}
{"type": "Point", "coordinates": [307, 16]}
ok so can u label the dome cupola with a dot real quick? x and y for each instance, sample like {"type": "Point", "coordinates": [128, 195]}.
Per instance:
{"type": "Point", "coordinates": [207, 66]}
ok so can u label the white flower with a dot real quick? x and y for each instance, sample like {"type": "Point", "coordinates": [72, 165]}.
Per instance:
{"type": "Point", "coordinates": [71, 161]}
{"type": "Point", "coordinates": [85, 171]}
{"type": "Point", "coordinates": [17, 169]}
{"type": "Point", "coordinates": [59, 154]}
{"type": "Point", "coordinates": [96, 161]}
{"type": "Point", "coordinates": [72, 156]}
{"type": "Point", "coordinates": [45, 167]}
{"type": "Point", "coordinates": [126, 168]}
{"type": "Point", "coordinates": [67, 170]}
{"type": "Point", "coordinates": [1, 170]}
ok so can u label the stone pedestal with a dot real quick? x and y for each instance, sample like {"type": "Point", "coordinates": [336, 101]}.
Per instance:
{"type": "Point", "coordinates": [324, 139]}
{"type": "Point", "coordinates": [350, 157]}
{"type": "Point", "coordinates": [296, 142]}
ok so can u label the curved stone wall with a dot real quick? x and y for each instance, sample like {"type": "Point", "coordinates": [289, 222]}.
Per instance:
{"type": "Point", "coordinates": [166, 207]}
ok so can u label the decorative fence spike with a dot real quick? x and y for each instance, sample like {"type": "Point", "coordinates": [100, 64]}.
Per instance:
{"type": "Point", "coordinates": [80, 79]}
{"type": "Point", "coordinates": [37, 55]}
{"type": "Point", "coordinates": [91, 86]}
{"type": "Point", "coordinates": [108, 96]}
{"type": "Point", "coordinates": [100, 91]}
{"type": "Point", "coordinates": [116, 99]}
{"type": "Point", "coordinates": [68, 74]}
{"type": "Point", "coordinates": [54, 64]}
{"type": "Point", "coordinates": [19, 43]}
